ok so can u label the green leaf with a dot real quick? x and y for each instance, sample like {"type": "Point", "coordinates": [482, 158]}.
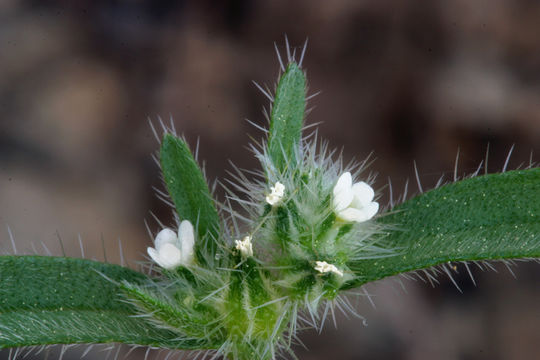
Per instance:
{"type": "Point", "coordinates": [189, 191]}
{"type": "Point", "coordinates": [56, 300]}
{"type": "Point", "coordinates": [491, 217]}
{"type": "Point", "coordinates": [287, 116]}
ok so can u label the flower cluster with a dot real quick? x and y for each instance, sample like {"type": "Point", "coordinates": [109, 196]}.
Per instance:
{"type": "Point", "coordinates": [311, 228]}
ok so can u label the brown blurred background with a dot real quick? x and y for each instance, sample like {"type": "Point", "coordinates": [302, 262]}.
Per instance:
{"type": "Point", "coordinates": [408, 80]}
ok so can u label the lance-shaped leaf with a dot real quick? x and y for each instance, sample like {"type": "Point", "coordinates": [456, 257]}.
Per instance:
{"type": "Point", "coordinates": [57, 300]}
{"type": "Point", "coordinates": [287, 116]}
{"type": "Point", "coordinates": [491, 217]}
{"type": "Point", "coordinates": [189, 191]}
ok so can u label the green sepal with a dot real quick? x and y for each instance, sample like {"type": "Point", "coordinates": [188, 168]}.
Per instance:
{"type": "Point", "coordinates": [283, 225]}
{"type": "Point", "coordinates": [253, 317]}
{"type": "Point", "coordinates": [181, 313]}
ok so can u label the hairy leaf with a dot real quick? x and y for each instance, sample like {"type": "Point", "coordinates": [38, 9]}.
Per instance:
{"type": "Point", "coordinates": [189, 191]}
{"type": "Point", "coordinates": [287, 116]}
{"type": "Point", "coordinates": [489, 217]}
{"type": "Point", "coordinates": [57, 300]}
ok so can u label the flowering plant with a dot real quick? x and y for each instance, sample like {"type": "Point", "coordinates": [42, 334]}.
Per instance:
{"type": "Point", "coordinates": [239, 283]}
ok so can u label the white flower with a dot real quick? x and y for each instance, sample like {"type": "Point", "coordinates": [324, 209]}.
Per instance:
{"type": "Point", "coordinates": [323, 267]}
{"type": "Point", "coordinates": [354, 202]}
{"type": "Point", "coordinates": [174, 250]}
{"type": "Point", "coordinates": [244, 246]}
{"type": "Point", "coordinates": [278, 190]}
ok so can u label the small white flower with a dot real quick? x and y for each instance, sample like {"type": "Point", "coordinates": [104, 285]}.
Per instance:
{"type": "Point", "coordinates": [278, 190]}
{"type": "Point", "coordinates": [323, 267]}
{"type": "Point", "coordinates": [354, 202]}
{"type": "Point", "coordinates": [174, 250]}
{"type": "Point", "coordinates": [244, 246]}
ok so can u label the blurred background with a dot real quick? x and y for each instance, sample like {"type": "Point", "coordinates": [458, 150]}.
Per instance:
{"type": "Point", "coordinates": [406, 80]}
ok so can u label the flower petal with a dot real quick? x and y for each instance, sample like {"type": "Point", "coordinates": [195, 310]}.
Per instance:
{"type": "Point", "coordinates": [343, 195]}
{"type": "Point", "coordinates": [170, 257]}
{"type": "Point", "coordinates": [363, 194]}
{"type": "Point", "coordinates": [371, 209]}
{"type": "Point", "coordinates": [352, 215]}
{"type": "Point", "coordinates": [244, 246]}
{"type": "Point", "coordinates": [272, 199]}
{"type": "Point", "coordinates": [165, 236]}
{"type": "Point", "coordinates": [359, 215]}
{"type": "Point", "coordinates": [278, 189]}
{"type": "Point", "coordinates": [153, 254]}
{"type": "Point", "coordinates": [187, 241]}
{"type": "Point", "coordinates": [276, 194]}
{"type": "Point", "coordinates": [324, 267]}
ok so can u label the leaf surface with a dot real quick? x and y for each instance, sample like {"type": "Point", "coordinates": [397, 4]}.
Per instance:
{"type": "Point", "coordinates": [58, 300]}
